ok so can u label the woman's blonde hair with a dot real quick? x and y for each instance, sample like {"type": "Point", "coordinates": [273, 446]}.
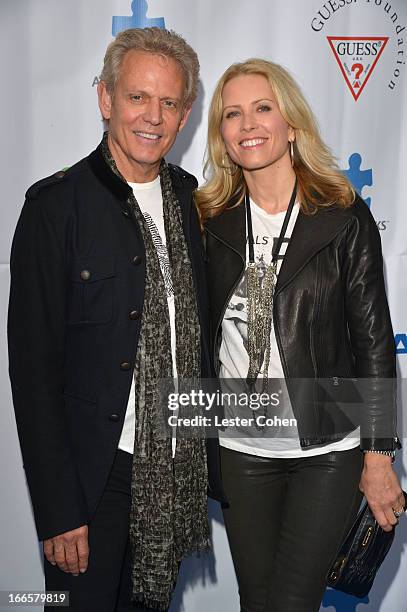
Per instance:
{"type": "Point", "coordinates": [320, 181]}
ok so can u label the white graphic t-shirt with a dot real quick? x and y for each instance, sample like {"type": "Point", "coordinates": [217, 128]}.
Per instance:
{"type": "Point", "coordinates": [149, 199]}
{"type": "Point", "coordinates": [234, 358]}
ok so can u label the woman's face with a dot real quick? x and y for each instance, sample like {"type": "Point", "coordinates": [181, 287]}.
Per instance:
{"type": "Point", "coordinates": [255, 134]}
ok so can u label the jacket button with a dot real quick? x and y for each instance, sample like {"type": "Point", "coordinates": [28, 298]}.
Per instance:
{"type": "Point", "coordinates": [137, 260]}
{"type": "Point", "coordinates": [125, 366]}
{"type": "Point", "coordinates": [114, 418]}
{"type": "Point", "coordinates": [60, 174]}
{"type": "Point", "coordinates": [85, 275]}
{"type": "Point", "coordinates": [134, 315]}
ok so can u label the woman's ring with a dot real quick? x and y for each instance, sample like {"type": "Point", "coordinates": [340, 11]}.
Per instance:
{"type": "Point", "coordinates": [398, 513]}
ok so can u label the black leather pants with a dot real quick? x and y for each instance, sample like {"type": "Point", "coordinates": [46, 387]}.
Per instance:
{"type": "Point", "coordinates": [285, 522]}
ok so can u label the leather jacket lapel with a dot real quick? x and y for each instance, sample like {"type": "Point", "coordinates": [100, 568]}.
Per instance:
{"type": "Point", "coordinates": [230, 228]}
{"type": "Point", "coordinates": [311, 234]}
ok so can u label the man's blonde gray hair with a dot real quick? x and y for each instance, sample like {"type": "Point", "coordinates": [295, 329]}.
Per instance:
{"type": "Point", "coordinates": [156, 41]}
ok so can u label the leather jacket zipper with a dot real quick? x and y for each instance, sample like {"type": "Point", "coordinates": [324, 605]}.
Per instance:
{"type": "Point", "coordinates": [280, 350]}
{"type": "Point", "coordinates": [314, 321]}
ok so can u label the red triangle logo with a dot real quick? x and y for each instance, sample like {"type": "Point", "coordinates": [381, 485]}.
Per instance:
{"type": "Point", "coordinates": [357, 56]}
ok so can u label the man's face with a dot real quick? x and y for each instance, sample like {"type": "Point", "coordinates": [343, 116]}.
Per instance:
{"type": "Point", "coordinates": [145, 113]}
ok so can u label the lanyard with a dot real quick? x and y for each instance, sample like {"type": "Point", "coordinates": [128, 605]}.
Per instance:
{"type": "Point", "coordinates": [276, 249]}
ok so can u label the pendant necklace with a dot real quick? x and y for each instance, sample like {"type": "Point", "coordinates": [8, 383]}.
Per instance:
{"type": "Point", "coordinates": [260, 299]}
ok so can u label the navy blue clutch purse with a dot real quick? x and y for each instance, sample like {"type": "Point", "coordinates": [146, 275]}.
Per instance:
{"type": "Point", "coordinates": [363, 551]}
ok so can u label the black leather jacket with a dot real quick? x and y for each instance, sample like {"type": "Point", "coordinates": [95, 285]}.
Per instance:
{"type": "Point", "coordinates": [331, 320]}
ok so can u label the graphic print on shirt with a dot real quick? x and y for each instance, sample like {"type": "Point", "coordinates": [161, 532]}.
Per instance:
{"type": "Point", "coordinates": [162, 254]}
{"type": "Point", "coordinates": [236, 310]}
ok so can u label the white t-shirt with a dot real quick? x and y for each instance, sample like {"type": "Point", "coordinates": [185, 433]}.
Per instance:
{"type": "Point", "coordinates": [234, 357]}
{"type": "Point", "coordinates": [149, 198]}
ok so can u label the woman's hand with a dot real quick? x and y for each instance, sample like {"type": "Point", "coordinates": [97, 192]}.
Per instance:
{"type": "Point", "coordinates": [381, 487]}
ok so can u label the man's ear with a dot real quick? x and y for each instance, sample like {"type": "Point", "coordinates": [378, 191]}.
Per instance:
{"type": "Point", "coordinates": [185, 114]}
{"type": "Point", "coordinates": [105, 100]}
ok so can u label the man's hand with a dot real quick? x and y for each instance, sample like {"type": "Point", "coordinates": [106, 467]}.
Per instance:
{"type": "Point", "coordinates": [69, 550]}
{"type": "Point", "coordinates": [381, 487]}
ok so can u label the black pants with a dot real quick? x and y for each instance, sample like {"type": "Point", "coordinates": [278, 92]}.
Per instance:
{"type": "Point", "coordinates": [285, 522]}
{"type": "Point", "coordinates": [106, 585]}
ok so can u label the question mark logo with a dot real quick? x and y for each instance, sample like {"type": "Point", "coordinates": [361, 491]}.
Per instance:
{"type": "Point", "coordinates": [357, 69]}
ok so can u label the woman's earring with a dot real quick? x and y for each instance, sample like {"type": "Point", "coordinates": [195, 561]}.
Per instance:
{"type": "Point", "coordinates": [292, 152]}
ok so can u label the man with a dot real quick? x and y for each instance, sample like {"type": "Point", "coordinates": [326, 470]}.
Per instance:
{"type": "Point", "coordinates": [107, 297]}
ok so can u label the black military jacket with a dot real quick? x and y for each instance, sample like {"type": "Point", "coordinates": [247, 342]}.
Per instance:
{"type": "Point", "coordinates": [77, 287]}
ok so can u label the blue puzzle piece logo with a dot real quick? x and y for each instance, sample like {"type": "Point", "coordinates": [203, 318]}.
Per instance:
{"type": "Point", "coordinates": [359, 178]}
{"type": "Point", "coordinates": [139, 19]}
{"type": "Point", "coordinates": [342, 602]}
{"type": "Point", "coordinates": [401, 343]}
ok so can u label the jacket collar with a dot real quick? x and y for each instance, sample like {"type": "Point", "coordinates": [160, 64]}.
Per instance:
{"type": "Point", "coordinates": [310, 235]}
{"type": "Point", "coordinates": [230, 228]}
{"type": "Point", "coordinates": [121, 190]}
{"type": "Point", "coordinates": [118, 188]}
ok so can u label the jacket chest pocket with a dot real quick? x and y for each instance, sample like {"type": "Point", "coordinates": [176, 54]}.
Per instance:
{"type": "Point", "coordinates": [90, 294]}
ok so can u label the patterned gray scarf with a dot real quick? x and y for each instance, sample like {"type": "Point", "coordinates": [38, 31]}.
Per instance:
{"type": "Point", "coordinates": [168, 517]}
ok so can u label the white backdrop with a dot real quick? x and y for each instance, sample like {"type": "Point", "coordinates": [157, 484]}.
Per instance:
{"type": "Point", "coordinates": [52, 52]}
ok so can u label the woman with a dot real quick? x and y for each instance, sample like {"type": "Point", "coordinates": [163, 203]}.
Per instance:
{"type": "Point", "coordinates": [297, 293]}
